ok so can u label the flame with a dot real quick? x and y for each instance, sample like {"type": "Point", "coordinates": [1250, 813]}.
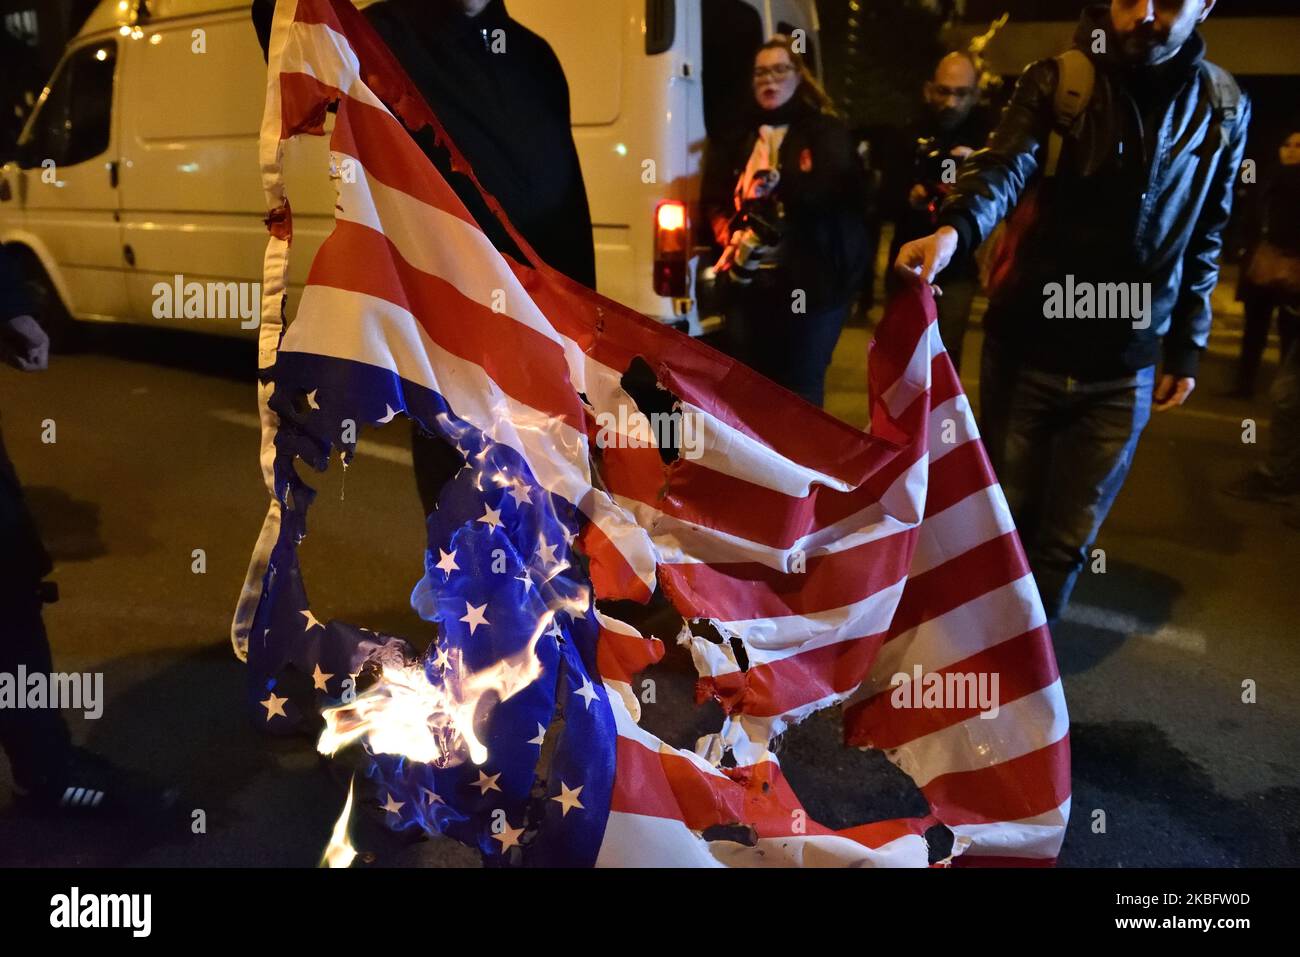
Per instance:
{"type": "Point", "coordinates": [404, 713]}
{"type": "Point", "coordinates": [340, 852]}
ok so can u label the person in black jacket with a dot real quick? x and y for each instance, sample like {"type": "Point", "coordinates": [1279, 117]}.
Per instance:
{"type": "Point", "coordinates": [1140, 196]}
{"type": "Point", "coordinates": [1274, 217]}
{"type": "Point", "coordinates": [500, 92]}
{"type": "Point", "coordinates": [50, 773]}
{"type": "Point", "coordinates": [784, 196]}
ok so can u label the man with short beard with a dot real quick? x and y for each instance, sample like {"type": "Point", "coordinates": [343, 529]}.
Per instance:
{"type": "Point", "coordinates": [1140, 193]}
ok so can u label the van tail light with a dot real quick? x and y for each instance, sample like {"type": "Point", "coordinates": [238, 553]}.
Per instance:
{"type": "Point", "coordinates": [672, 248]}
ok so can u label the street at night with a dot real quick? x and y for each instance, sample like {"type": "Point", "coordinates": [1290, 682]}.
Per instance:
{"type": "Point", "coordinates": [156, 456]}
{"type": "Point", "coordinates": [645, 438]}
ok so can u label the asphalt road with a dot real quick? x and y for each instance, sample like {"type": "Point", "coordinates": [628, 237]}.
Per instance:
{"type": "Point", "coordinates": [156, 456]}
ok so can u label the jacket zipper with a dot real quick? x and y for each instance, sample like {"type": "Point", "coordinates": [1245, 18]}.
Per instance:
{"type": "Point", "coordinates": [1147, 163]}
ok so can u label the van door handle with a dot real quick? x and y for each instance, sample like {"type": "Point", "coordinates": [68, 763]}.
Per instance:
{"type": "Point", "coordinates": [112, 173]}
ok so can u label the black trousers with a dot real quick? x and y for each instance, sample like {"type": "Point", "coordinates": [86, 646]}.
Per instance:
{"type": "Point", "coordinates": [790, 348]}
{"type": "Point", "coordinates": [36, 740]}
{"type": "Point", "coordinates": [1260, 306]}
{"type": "Point", "coordinates": [435, 461]}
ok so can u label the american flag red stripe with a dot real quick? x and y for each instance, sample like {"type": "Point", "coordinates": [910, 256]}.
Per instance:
{"type": "Point", "coordinates": [838, 558]}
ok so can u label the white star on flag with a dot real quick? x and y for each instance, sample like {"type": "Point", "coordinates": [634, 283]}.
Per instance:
{"type": "Point", "coordinates": [509, 836]}
{"type": "Point", "coordinates": [487, 783]}
{"type": "Point", "coordinates": [274, 706]}
{"type": "Point", "coordinates": [447, 562]}
{"type": "Point", "coordinates": [491, 516]}
{"type": "Point", "coordinates": [547, 552]}
{"type": "Point", "coordinates": [474, 616]}
{"type": "Point", "coordinates": [392, 806]}
{"type": "Point", "coordinates": [587, 693]}
{"type": "Point", "coordinates": [568, 798]}
{"type": "Point", "coordinates": [541, 736]}
{"type": "Point", "coordinates": [311, 620]}
{"type": "Point", "coordinates": [319, 678]}
{"type": "Point", "coordinates": [521, 494]}
{"type": "Point", "coordinates": [389, 413]}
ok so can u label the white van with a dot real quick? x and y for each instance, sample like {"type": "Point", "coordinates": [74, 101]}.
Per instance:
{"type": "Point", "coordinates": [139, 163]}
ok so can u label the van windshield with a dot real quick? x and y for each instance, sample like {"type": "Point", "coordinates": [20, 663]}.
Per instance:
{"type": "Point", "coordinates": [72, 123]}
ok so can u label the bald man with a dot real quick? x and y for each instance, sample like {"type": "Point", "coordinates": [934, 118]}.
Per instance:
{"type": "Point", "coordinates": [950, 127]}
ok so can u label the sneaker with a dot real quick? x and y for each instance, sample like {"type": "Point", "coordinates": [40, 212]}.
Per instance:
{"type": "Point", "coordinates": [1255, 486]}
{"type": "Point", "coordinates": [88, 784]}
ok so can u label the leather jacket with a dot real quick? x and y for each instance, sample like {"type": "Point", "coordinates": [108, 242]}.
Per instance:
{"type": "Point", "coordinates": [1142, 194]}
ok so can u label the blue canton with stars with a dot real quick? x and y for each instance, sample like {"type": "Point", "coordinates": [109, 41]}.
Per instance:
{"type": "Point", "coordinates": [499, 561]}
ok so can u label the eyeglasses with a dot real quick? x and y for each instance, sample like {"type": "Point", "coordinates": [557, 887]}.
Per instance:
{"type": "Point", "coordinates": [778, 72]}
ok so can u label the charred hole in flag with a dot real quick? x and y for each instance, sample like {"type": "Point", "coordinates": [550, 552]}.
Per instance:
{"type": "Point", "coordinates": [739, 833]}
{"type": "Point", "coordinates": [706, 629]}
{"type": "Point", "coordinates": [659, 406]}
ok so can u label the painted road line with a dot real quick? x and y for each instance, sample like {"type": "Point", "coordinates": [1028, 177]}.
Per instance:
{"type": "Point", "coordinates": [1184, 639]}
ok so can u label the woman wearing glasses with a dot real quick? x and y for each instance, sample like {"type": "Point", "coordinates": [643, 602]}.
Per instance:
{"type": "Point", "coordinates": [784, 196]}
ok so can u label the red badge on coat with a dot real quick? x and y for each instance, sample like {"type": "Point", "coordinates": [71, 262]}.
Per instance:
{"type": "Point", "coordinates": [805, 161]}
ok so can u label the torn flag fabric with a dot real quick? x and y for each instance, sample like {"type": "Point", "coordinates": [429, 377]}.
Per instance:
{"type": "Point", "coordinates": [814, 564]}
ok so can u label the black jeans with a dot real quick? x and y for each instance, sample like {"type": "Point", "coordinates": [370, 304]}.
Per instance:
{"type": "Point", "coordinates": [1061, 449]}
{"type": "Point", "coordinates": [792, 349]}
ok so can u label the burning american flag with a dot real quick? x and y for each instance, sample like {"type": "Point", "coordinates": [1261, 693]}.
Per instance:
{"type": "Point", "coordinates": [811, 562]}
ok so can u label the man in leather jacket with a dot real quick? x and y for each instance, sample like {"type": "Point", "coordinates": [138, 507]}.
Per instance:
{"type": "Point", "coordinates": [1140, 197]}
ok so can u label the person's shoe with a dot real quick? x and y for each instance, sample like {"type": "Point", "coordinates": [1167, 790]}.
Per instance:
{"type": "Point", "coordinates": [88, 784]}
{"type": "Point", "coordinates": [1255, 486]}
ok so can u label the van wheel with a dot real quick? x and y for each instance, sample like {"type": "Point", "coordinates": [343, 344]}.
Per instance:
{"type": "Point", "coordinates": [47, 308]}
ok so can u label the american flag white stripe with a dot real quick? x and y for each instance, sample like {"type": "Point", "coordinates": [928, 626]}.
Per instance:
{"type": "Point", "coordinates": [1021, 727]}
{"type": "Point", "coordinates": [1032, 838]}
